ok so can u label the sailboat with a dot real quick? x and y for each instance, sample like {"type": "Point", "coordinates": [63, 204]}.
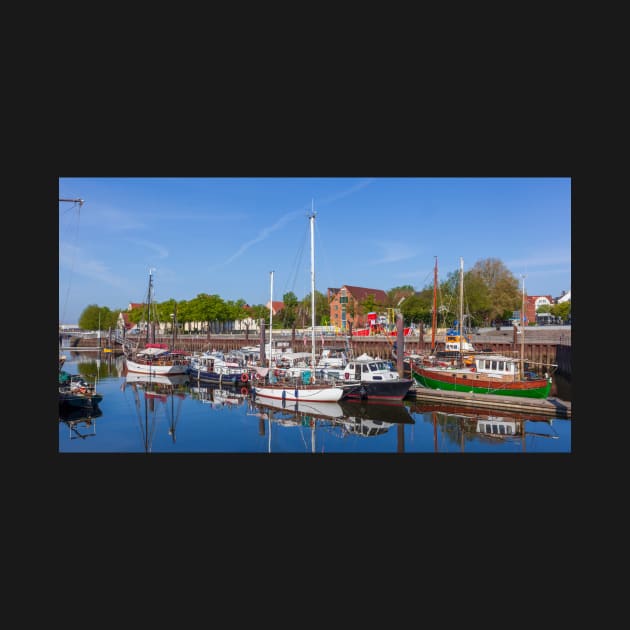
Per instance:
{"type": "Point", "coordinates": [303, 387]}
{"type": "Point", "coordinates": [489, 373]}
{"type": "Point", "coordinates": [156, 359]}
{"type": "Point", "coordinates": [155, 396]}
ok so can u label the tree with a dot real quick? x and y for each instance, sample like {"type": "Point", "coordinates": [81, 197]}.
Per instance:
{"type": "Point", "coordinates": [503, 293]}
{"type": "Point", "coordinates": [95, 317]}
{"type": "Point", "coordinates": [562, 310]}
{"type": "Point", "coordinates": [369, 303]}
{"type": "Point", "coordinates": [322, 308]}
{"type": "Point", "coordinates": [416, 308]}
{"type": "Point", "coordinates": [290, 310]}
{"type": "Point", "coordinates": [395, 294]}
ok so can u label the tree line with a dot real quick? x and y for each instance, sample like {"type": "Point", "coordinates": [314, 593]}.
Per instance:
{"type": "Point", "coordinates": [491, 294]}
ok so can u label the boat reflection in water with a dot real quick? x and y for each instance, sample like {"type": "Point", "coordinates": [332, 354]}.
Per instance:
{"type": "Point", "coordinates": [460, 425]}
{"type": "Point", "coordinates": [156, 396]}
{"type": "Point", "coordinates": [219, 395]}
{"type": "Point", "coordinates": [373, 419]}
{"type": "Point", "coordinates": [341, 419]}
{"type": "Point", "coordinates": [81, 422]}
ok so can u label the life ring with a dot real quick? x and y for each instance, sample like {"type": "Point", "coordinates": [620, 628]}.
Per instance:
{"type": "Point", "coordinates": [244, 377]}
{"type": "Point", "coordinates": [346, 375]}
{"type": "Point", "coordinates": [244, 391]}
{"type": "Point", "coordinates": [473, 369]}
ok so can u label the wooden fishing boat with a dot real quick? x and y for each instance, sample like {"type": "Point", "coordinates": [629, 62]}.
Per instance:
{"type": "Point", "coordinates": [486, 374]}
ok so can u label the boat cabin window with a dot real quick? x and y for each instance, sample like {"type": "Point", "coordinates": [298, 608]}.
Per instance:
{"type": "Point", "coordinates": [365, 368]}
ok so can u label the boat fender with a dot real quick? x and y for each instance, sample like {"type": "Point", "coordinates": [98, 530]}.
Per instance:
{"type": "Point", "coordinates": [244, 377]}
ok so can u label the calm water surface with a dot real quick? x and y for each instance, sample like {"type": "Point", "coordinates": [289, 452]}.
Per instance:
{"type": "Point", "coordinates": [136, 416]}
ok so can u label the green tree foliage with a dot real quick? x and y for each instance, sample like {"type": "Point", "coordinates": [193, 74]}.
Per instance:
{"type": "Point", "coordinates": [491, 292]}
{"type": "Point", "coordinates": [369, 304]}
{"type": "Point", "coordinates": [417, 308]}
{"type": "Point", "coordinates": [290, 311]}
{"type": "Point", "coordinates": [258, 312]}
{"type": "Point", "coordinates": [322, 309]}
{"type": "Point", "coordinates": [397, 293]}
{"type": "Point", "coordinates": [562, 310]}
{"type": "Point", "coordinates": [94, 316]}
{"type": "Point", "coordinates": [495, 290]}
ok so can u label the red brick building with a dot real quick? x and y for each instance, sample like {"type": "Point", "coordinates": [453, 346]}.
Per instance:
{"type": "Point", "coordinates": [532, 303]}
{"type": "Point", "coordinates": [345, 305]}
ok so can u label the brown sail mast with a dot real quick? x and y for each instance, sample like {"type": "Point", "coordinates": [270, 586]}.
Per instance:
{"type": "Point", "coordinates": [434, 315]}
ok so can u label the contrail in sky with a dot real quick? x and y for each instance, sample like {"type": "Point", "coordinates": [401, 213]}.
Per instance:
{"type": "Point", "coordinates": [265, 232]}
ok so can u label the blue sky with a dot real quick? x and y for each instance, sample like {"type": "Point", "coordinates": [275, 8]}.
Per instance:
{"type": "Point", "coordinates": [225, 235]}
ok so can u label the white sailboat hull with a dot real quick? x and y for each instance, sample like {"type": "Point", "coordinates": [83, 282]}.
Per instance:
{"type": "Point", "coordinates": [155, 370]}
{"type": "Point", "coordinates": [306, 394]}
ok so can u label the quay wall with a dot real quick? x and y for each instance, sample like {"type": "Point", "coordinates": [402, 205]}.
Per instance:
{"type": "Point", "coordinates": [541, 346]}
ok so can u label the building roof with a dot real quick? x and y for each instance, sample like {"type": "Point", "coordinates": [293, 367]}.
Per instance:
{"type": "Point", "coordinates": [277, 306]}
{"type": "Point", "coordinates": [360, 293]}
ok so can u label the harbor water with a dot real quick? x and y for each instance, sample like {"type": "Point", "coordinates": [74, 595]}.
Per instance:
{"type": "Point", "coordinates": [137, 416]}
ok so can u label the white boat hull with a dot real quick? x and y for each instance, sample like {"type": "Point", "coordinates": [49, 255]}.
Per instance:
{"type": "Point", "coordinates": [155, 370]}
{"type": "Point", "coordinates": [317, 394]}
{"type": "Point", "coordinates": [319, 409]}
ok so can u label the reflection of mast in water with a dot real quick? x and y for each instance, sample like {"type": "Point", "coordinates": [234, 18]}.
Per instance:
{"type": "Point", "coordinates": [400, 429]}
{"type": "Point", "coordinates": [174, 417]}
{"type": "Point", "coordinates": [147, 429]}
{"type": "Point", "coordinates": [435, 440]}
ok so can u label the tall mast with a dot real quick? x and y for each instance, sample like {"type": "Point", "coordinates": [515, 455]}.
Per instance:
{"type": "Point", "coordinates": [312, 221]}
{"type": "Point", "coordinates": [522, 367]}
{"type": "Point", "coordinates": [434, 317]}
{"type": "Point", "coordinates": [461, 309]}
{"type": "Point", "coordinates": [271, 321]}
{"type": "Point", "coordinates": [150, 338]}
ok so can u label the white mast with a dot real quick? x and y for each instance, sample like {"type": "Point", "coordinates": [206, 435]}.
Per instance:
{"type": "Point", "coordinates": [461, 309]}
{"type": "Point", "coordinates": [271, 321]}
{"type": "Point", "coordinates": [312, 221]}
{"type": "Point", "coordinates": [522, 368]}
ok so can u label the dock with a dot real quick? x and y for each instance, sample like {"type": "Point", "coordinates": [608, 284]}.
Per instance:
{"type": "Point", "coordinates": [549, 406]}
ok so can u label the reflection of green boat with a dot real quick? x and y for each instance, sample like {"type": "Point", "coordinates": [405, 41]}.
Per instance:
{"type": "Point", "coordinates": [490, 374]}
